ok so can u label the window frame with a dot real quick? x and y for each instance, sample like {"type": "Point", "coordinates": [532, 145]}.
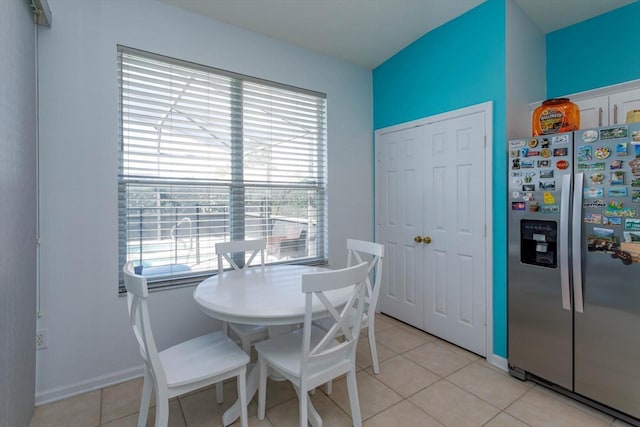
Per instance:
{"type": "Point", "coordinates": [237, 185]}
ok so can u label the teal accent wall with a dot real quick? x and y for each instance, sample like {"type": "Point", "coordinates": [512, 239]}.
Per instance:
{"type": "Point", "coordinates": [459, 64]}
{"type": "Point", "coordinates": [598, 52]}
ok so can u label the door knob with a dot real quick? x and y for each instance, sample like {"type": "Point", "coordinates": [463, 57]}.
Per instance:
{"type": "Point", "coordinates": [417, 239]}
{"type": "Point", "coordinates": [426, 240]}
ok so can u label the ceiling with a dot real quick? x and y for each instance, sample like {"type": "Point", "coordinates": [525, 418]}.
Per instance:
{"type": "Point", "coordinates": [368, 32]}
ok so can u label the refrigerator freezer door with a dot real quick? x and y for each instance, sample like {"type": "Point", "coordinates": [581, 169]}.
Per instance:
{"type": "Point", "coordinates": [540, 320]}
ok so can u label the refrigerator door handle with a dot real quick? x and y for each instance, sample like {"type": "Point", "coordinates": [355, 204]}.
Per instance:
{"type": "Point", "coordinates": [564, 241]}
{"type": "Point", "coordinates": [576, 243]}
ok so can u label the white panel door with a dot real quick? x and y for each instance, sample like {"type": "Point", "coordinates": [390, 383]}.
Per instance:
{"type": "Point", "coordinates": [400, 206]}
{"type": "Point", "coordinates": [594, 112]}
{"type": "Point", "coordinates": [621, 103]}
{"type": "Point", "coordinates": [454, 222]}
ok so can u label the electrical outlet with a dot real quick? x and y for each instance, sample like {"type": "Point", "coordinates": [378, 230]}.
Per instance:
{"type": "Point", "coordinates": [41, 339]}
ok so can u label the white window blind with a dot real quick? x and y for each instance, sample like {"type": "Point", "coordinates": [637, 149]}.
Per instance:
{"type": "Point", "coordinates": [207, 156]}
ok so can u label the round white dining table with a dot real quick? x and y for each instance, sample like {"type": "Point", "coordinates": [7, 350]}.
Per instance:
{"type": "Point", "coordinates": [269, 295]}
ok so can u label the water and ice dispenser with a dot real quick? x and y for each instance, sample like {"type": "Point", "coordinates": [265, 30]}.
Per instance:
{"type": "Point", "coordinates": [539, 243]}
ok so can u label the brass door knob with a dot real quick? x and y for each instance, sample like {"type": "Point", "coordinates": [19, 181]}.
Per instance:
{"type": "Point", "coordinates": [417, 239]}
{"type": "Point", "coordinates": [426, 240]}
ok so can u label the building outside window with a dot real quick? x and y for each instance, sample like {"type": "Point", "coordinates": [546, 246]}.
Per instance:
{"type": "Point", "coordinates": [207, 156]}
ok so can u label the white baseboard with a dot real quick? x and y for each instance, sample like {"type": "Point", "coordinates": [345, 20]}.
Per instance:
{"type": "Point", "coordinates": [52, 395]}
{"type": "Point", "coordinates": [498, 362]}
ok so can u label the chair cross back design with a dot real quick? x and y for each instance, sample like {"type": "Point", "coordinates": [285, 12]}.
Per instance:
{"type": "Point", "coordinates": [311, 356]}
{"type": "Point", "coordinates": [184, 367]}
{"type": "Point", "coordinates": [248, 334]}
{"type": "Point", "coordinates": [355, 250]}
{"type": "Point", "coordinates": [373, 253]}
{"type": "Point", "coordinates": [225, 251]}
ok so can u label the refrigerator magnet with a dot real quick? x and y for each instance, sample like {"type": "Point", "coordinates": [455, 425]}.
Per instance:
{"type": "Point", "coordinates": [558, 152]}
{"type": "Point", "coordinates": [635, 182]}
{"type": "Point", "coordinates": [590, 136]}
{"type": "Point", "coordinates": [546, 152]}
{"type": "Point", "coordinates": [533, 207]}
{"type": "Point", "coordinates": [518, 206]}
{"type": "Point", "coordinates": [584, 153]}
{"type": "Point", "coordinates": [597, 203]}
{"type": "Point", "coordinates": [517, 143]}
{"type": "Point", "coordinates": [515, 164]}
{"type": "Point", "coordinates": [604, 233]}
{"type": "Point", "coordinates": [533, 142]}
{"type": "Point", "coordinates": [550, 209]}
{"type": "Point", "coordinates": [546, 173]}
{"type": "Point", "coordinates": [526, 164]}
{"type": "Point", "coordinates": [635, 196]}
{"type": "Point", "coordinates": [622, 149]}
{"type": "Point", "coordinates": [597, 178]}
{"type": "Point", "coordinates": [543, 163]}
{"type": "Point", "coordinates": [611, 220]}
{"type": "Point", "coordinates": [547, 185]}
{"type": "Point", "coordinates": [617, 178]}
{"type": "Point", "coordinates": [613, 133]}
{"type": "Point", "coordinates": [616, 209]}
{"type": "Point", "coordinates": [585, 167]}
{"type": "Point", "coordinates": [515, 194]}
{"type": "Point", "coordinates": [593, 218]}
{"type": "Point", "coordinates": [635, 135]}
{"type": "Point", "coordinates": [593, 192]}
{"type": "Point", "coordinates": [617, 192]}
{"type": "Point", "coordinates": [632, 224]}
{"type": "Point", "coordinates": [562, 164]}
{"type": "Point", "coordinates": [548, 198]}
{"type": "Point", "coordinates": [515, 153]}
{"type": "Point", "coordinates": [560, 139]}
{"type": "Point", "coordinates": [602, 153]}
{"type": "Point", "coordinates": [616, 164]}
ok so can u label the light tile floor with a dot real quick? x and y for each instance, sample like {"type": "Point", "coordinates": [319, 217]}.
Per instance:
{"type": "Point", "coordinates": [423, 381]}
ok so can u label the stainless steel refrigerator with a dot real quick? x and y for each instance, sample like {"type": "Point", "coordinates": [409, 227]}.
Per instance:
{"type": "Point", "coordinates": [574, 265]}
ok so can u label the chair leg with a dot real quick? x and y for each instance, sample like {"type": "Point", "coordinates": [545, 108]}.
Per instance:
{"type": "Point", "coordinates": [219, 393]}
{"type": "Point", "coordinates": [353, 398]}
{"type": "Point", "coordinates": [304, 413]}
{"type": "Point", "coordinates": [162, 408]}
{"type": "Point", "coordinates": [225, 328]}
{"type": "Point", "coordinates": [262, 387]}
{"type": "Point", "coordinates": [374, 350]}
{"type": "Point", "coordinates": [328, 387]}
{"type": "Point", "coordinates": [246, 345]}
{"type": "Point", "coordinates": [242, 393]}
{"type": "Point", "coordinates": [145, 400]}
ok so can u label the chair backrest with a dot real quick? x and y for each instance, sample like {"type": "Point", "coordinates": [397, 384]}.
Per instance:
{"type": "Point", "coordinates": [137, 294]}
{"type": "Point", "coordinates": [346, 322]}
{"type": "Point", "coordinates": [225, 250]}
{"type": "Point", "coordinates": [373, 253]}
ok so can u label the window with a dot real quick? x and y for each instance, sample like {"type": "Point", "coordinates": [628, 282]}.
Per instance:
{"type": "Point", "coordinates": [207, 156]}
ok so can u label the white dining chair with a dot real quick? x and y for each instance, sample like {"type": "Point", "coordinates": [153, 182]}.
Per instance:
{"type": "Point", "coordinates": [309, 357]}
{"type": "Point", "coordinates": [187, 366]}
{"type": "Point", "coordinates": [248, 334]}
{"type": "Point", "coordinates": [373, 254]}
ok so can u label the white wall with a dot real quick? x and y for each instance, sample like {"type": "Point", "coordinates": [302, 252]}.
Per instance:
{"type": "Point", "coordinates": [526, 69]}
{"type": "Point", "coordinates": [90, 341]}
